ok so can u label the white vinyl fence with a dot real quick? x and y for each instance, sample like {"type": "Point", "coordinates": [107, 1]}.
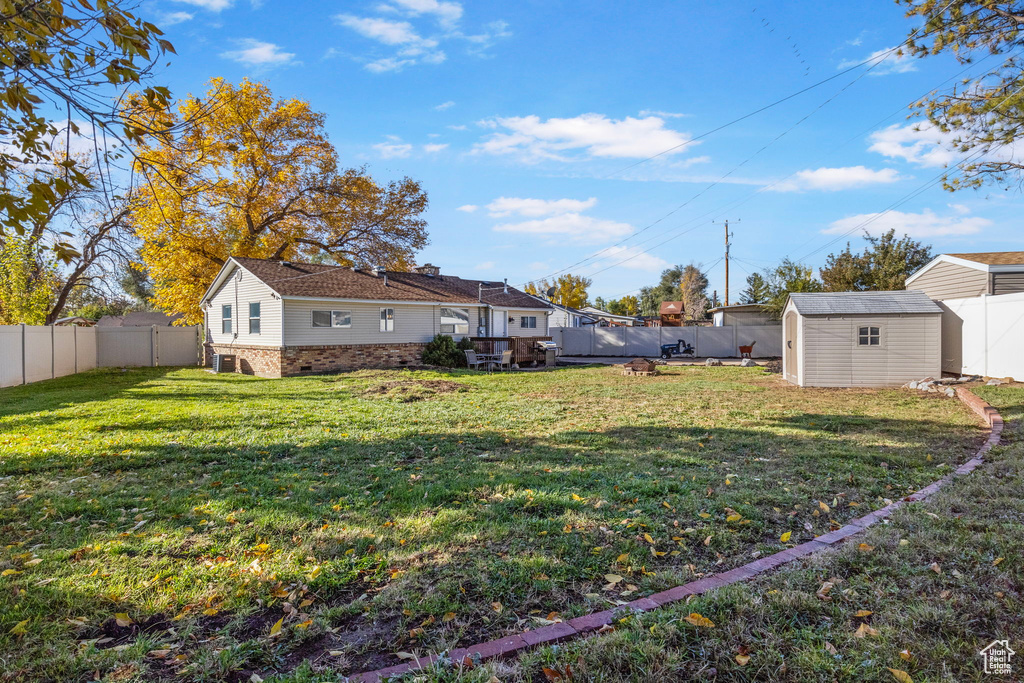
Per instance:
{"type": "Point", "coordinates": [30, 353]}
{"type": "Point", "coordinates": [719, 342]}
{"type": "Point", "coordinates": [984, 335]}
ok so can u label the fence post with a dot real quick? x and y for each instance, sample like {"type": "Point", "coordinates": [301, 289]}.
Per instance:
{"type": "Point", "coordinates": [24, 371]}
{"type": "Point", "coordinates": [696, 340]}
{"type": "Point", "coordinates": [153, 351]}
{"type": "Point", "coordinates": [74, 338]}
{"type": "Point", "coordinates": [735, 338]}
{"type": "Point", "coordinates": [53, 351]}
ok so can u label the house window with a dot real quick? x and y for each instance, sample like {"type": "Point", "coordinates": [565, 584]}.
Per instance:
{"type": "Point", "coordinates": [387, 320]}
{"type": "Point", "coordinates": [254, 318]}
{"type": "Point", "coordinates": [225, 319]}
{"type": "Point", "coordinates": [332, 318]}
{"type": "Point", "coordinates": [869, 336]}
{"type": "Point", "coordinates": [528, 322]}
{"type": "Point", "coordinates": [454, 320]}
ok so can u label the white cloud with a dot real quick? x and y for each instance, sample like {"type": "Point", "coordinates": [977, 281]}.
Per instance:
{"type": "Point", "coordinates": [381, 30]}
{"type": "Point", "coordinates": [433, 148]}
{"type": "Point", "coordinates": [444, 105]}
{"type": "Point", "coordinates": [884, 62]}
{"type": "Point", "coordinates": [924, 224]}
{"type": "Point", "coordinates": [919, 143]}
{"type": "Point", "coordinates": [832, 179]}
{"type": "Point", "coordinates": [212, 5]}
{"type": "Point", "coordinates": [446, 13]}
{"type": "Point", "coordinates": [460, 127]}
{"type": "Point", "coordinates": [393, 150]}
{"type": "Point", "coordinates": [486, 265]}
{"type": "Point", "coordinates": [534, 208]}
{"type": "Point", "coordinates": [253, 52]}
{"type": "Point", "coordinates": [172, 18]}
{"type": "Point", "coordinates": [597, 135]}
{"type": "Point", "coordinates": [630, 257]}
{"type": "Point", "coordinates": [661, 114]}
{"type": "Point", "coordinates": [571, 226]}
{"type": "Point", "coordinates": [468, 208]}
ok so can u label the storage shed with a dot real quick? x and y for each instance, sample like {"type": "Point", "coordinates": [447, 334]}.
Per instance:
{"type": "Point", "coordinates": [860, 339]}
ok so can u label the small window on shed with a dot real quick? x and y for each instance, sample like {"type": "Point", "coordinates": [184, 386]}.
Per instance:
{"type": "Point", "coordinates": [528, 322]}
{"type": "Point", "coordinates": [869, 336]}
{"type": "Point", "coordinates": [225, 317]}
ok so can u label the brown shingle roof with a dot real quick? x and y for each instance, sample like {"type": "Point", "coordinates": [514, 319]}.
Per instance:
{"type": "Point", "coordinates": [338, 282]}
{"type": "Point", "coordinates": [670, 308]}
{"type": "Point", "coordinates": [994, 258]}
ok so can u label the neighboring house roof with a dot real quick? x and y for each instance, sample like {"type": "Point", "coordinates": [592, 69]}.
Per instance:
{"type": "Point", "coordinates": [994, 258]}
{"type": "Point", "coordinates": [567, 309]}
{"type": "Point", "coordinates": [597, 312]}
{"type": "Point", "coordinates": [670, 308]}
{"type": "Point", "coordinates": [75, 320]}
{"type": "Point", "coordinates": [852, 303]}
{"type": "Point", "coordinates": [319, 281]}
{"type": "Point", "coordinates": [737, 307]}
{"type": "Point", "coordinates": [138, 319]}
{"type": "Point", "coordinates": [987, 261]}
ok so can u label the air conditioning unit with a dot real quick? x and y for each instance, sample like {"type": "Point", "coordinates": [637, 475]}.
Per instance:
{"type": "Point", "coordinates": [223, 362]}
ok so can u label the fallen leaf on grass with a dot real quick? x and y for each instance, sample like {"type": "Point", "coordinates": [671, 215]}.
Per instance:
{"type": "Point", "coordinates": [831, 649]}
{"type": "Point", "coordinates": [647, 537]}
{"type": "Point", "coordinates": [734, 517]}
{"type": "Point", "coordinates": [405, 655]}
{"type": "Point", "coordinates": [935, 567]}
{"type": "Point", "coordinates": [612, 578]}
{"type": "Point", "coordinates": [19, 629]}
{"type": "Point", "coordinates": [995, 562]}
{"type": "Point", "coordinates": [255, 678]}
{"type": "Point", "coordinates": [824, 507]}
{"type": "Point", "coordinates": [865, 548]}
{"type": "Point", "coordinates": [823, 591]}
{"type": "Point", "coordinates": [9, 572]}
{"type": "Point", "coordinates": [448, 616]}
{"type": "Point", "coordinates": [32, 563]}
{"type": "Point", "coordinates": [863, 613]}
{"type": "Point", "coordinates": [276, 628]}
{"type": "Point", "coordinates": [905, 655]}
{"type": "Point", "coordinates": [212, 611]}
{"type": "Point", "coordinates": [123, 619]}
{"type": "Point", "coordinates": [864, 631]}
{"type": "Point", "coordinates": [742, 659]}
{"type": "Point", "coordinates": [786, 536]}
{"type": "Point", "coordinates": [900, 675]}
{"type": "Point", "coordinates": [699, 620]}
{"type": "Point", "coordinates": [624, 557]}
{"type": "Point", "coordinates": [158, 654]}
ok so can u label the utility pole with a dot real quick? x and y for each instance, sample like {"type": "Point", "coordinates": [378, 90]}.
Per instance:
{"type": "Point", "coordinates": [726, 262]}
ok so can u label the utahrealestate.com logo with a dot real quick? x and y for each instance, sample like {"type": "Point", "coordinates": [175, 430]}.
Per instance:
{"type": "Point", "coordinates": [997, 656]}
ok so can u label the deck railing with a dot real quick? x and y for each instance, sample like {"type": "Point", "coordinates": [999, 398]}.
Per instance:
{"type": "Point", "coordinates": [524, 349]}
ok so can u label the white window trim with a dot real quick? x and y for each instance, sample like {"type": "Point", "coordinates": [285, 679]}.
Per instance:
{"type": "Point", "coordinates": [382, 321]}
{"type": "Point", "coordinates": [454, 326]}
{"type": "Point", "coordinates": [524, 317]}
{"type": "Point", "coordinates": [332, 326]}
{"type": "Point", "coordinates": [258, 317]}
{"type": "Point", "coordinates": [229, 319]}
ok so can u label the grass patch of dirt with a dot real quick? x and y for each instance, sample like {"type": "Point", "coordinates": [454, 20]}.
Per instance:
{"type": "Point", "coordinates": [408, 390]}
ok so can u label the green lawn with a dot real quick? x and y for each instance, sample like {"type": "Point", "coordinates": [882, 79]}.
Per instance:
{"type": "Point", "coordinates": [385, 512]}
{"type": "Point", "coordinates": [934, 586]}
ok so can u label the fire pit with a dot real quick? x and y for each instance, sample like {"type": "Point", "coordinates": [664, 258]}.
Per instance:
{"type": "Point", "coordinates": [640, 366]}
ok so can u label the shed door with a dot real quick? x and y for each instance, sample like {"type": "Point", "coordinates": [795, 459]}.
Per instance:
{"type": "Point", "coordinates": [790, 359]}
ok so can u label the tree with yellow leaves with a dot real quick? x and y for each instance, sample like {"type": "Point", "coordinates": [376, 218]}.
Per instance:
{"type": "Point", "coordinates": [253, 176]}
{"type": "Point", "coordinates": [569, 290]}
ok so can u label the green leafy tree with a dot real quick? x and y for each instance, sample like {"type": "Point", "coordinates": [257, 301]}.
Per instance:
{"type": "Point", "coordinates": [884, 265]}
{"type": "Point", "coordinates": [627, 305]}
{"type": "Point", "coordinates": [786, 278]}
{"type": "Point", "coordinates": [985, 111]}
{"type": "Point", "coordinates": [57, 56]}
{"type": "Point", "coordinates": [28, 282]}
{"type": "Point", "coordinates": [600, 304]}
{"type": "Point", "coordinates": [757, 291]}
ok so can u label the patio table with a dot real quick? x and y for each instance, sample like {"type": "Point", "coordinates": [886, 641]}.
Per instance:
{"type": "Point", "coordinates": [490, 358]}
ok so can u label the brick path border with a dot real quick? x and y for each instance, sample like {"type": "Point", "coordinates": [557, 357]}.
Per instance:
{"type": "Point", "coordinates": [590, 623]}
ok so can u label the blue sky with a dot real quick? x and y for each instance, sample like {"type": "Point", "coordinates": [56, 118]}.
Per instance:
{"type": "Point", "coordinates": [531, 123]}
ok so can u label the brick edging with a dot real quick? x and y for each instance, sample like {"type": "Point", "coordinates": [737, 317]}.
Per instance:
{"type": "Point", "coordinates": [593, 622]}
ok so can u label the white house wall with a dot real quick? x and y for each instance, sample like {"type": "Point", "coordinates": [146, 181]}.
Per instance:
{"type": "Point", "coordinates": [910, 349]}
{"type": "Point", "coordinates": [990, 332]}
{"type": "Point", "coordinates": [239, 293]}
{"type": "Point", "coordinates": [515, 328]}
{"type": "Point", "coordinates": [413, 323]}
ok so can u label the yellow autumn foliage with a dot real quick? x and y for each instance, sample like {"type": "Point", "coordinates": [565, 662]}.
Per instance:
{"type": "Point", "coordinates": [246, 174]}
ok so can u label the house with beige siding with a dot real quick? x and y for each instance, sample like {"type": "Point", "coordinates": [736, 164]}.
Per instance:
{"type": "Point", "coordinates": [280, 318]}
{"type": "Point", "coordinates": [860, 339]}
{"type": "Point", "coordinates": [982, 298]}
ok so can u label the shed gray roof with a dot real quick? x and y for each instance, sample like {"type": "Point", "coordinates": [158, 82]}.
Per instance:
{"type": "Point", "coordinates": [851, 303]}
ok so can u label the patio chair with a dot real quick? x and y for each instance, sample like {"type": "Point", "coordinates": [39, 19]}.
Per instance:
{"type": "Point", "coordinates": [472, 361]}
{"type": "Point", "coordinates": [506, 360]}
